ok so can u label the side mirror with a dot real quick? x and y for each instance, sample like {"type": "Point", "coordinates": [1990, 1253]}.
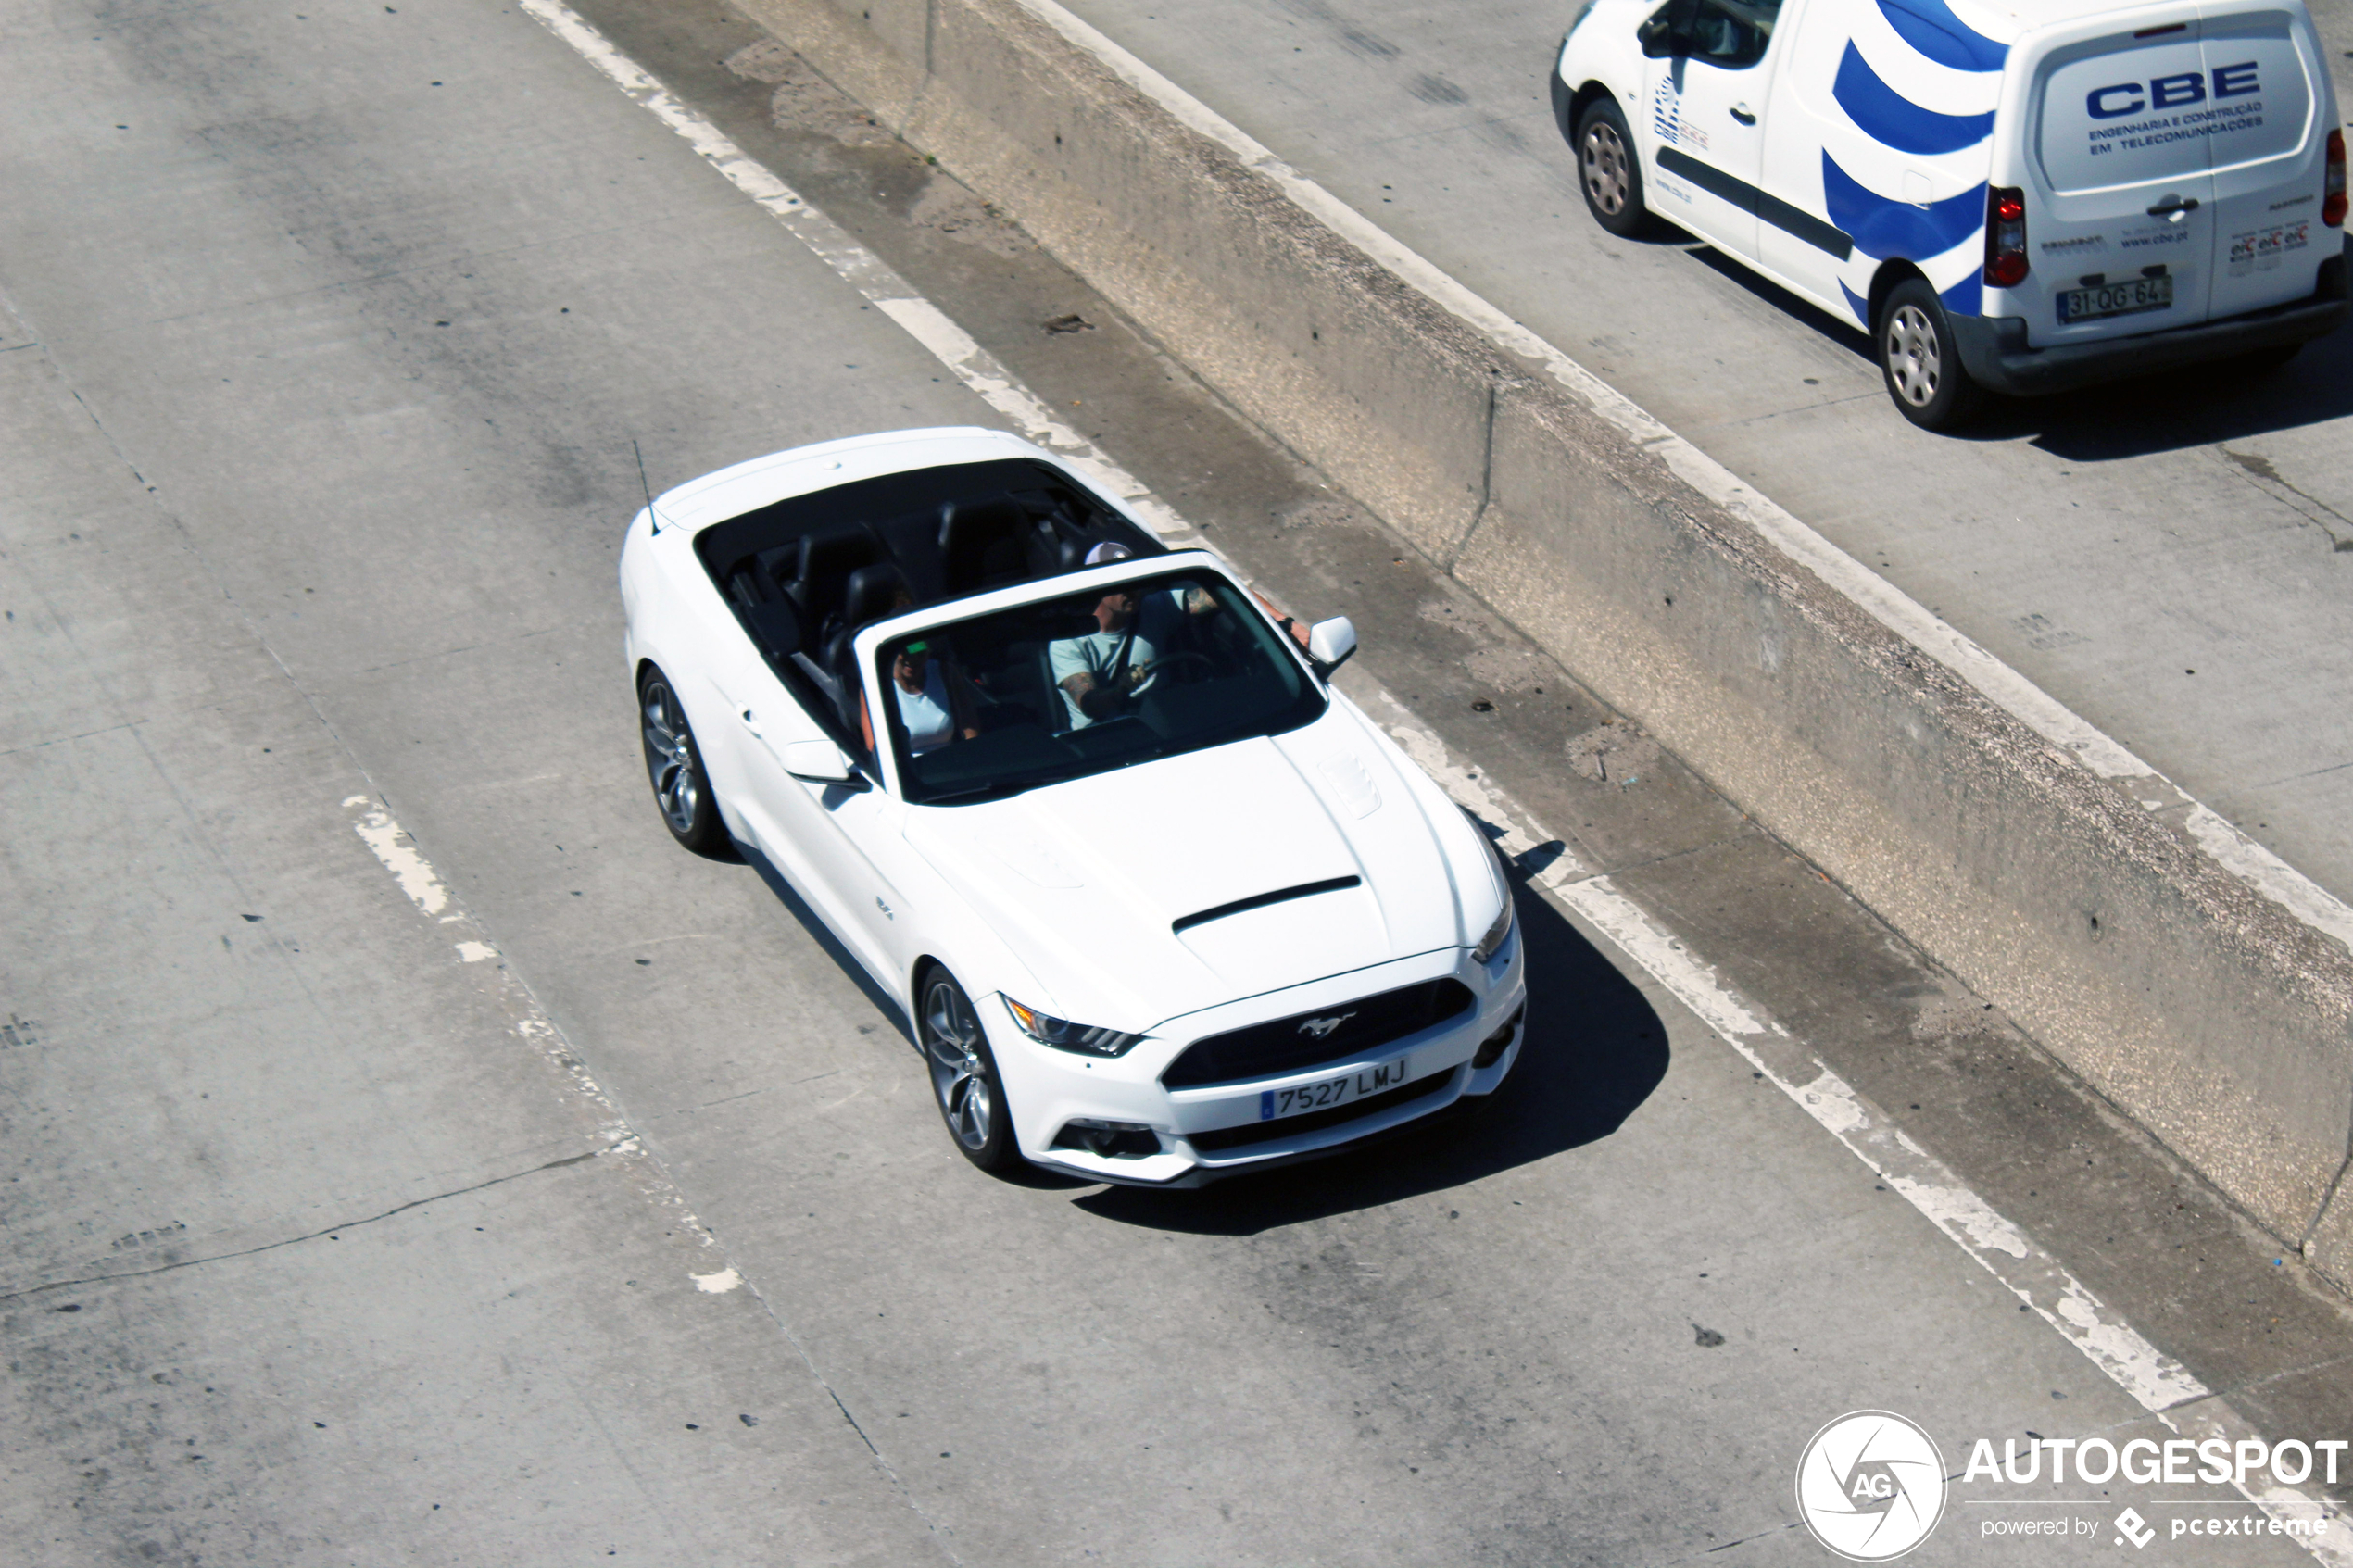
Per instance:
{"type": "Point", "coordinates": [1330, 642]}
{"type": "Point", "coordinates": [1666, 32]}
{"type": "Point", "coordinates": [821, 762]}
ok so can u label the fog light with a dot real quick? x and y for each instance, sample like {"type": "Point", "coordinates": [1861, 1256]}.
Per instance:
{"type": "Point", "coordinates": [1492, 1049]}
{"type": "Point", "coordinates": [1112, 1140]}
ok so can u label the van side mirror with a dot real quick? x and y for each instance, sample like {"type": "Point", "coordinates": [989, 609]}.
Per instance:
{"type": "Point", "coordinates": [1330, 642]}
{"type": "Point", "coordinates": [821, 762]}
{"type": "Point", "coordinates": [1667, 32]}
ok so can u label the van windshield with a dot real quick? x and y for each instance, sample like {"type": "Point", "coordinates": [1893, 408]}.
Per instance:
{"type": "Point", "coordinates": [1086, 683]}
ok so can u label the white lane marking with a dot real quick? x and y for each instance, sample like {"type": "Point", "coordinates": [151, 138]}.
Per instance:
{"type": "Point", "coordinates": [859, 267]}
{"type": "Point", "coordinates": [526, 1020]}
{"type": "Point", "coordinates": [2075, 737]}
{"type": "Point", "coordinates": [2159, 1382]}
{"type": "Point", "coordinates": [381, 833]}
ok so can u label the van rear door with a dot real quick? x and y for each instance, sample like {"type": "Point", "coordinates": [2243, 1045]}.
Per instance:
{"type": "Point", "coordinates": [2120, 195]}
{"type": "Point", "coordinates": [2269, 155]}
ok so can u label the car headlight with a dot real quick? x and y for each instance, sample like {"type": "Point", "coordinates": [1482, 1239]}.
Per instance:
{"type": "Point", "coordinates": [1499, 932]}
{"type": "Point", "coordinates": [1062, 1035]}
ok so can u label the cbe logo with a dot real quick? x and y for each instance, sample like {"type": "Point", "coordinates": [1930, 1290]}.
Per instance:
{"type": "Point", "coordinates": [2171, 92]}
{"type": "Point", "coordinates": [1871, 1486]}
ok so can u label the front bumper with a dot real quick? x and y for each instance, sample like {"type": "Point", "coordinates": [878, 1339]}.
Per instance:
{"type": "Point", "coordinates": [1048, 1089]}
{"type": "Point", "coordinates": [1995, 353]}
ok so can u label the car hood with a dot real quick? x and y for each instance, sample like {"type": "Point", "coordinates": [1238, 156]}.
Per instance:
{"type": "Point", "coordinates": [1088, 881]}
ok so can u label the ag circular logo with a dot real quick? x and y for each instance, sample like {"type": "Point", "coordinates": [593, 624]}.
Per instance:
{"type": "Point", "coordinates": [1871, 1486]}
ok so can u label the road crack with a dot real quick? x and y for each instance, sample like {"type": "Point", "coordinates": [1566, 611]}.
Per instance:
{"type": "Point", "coordinates": [312, 1236]}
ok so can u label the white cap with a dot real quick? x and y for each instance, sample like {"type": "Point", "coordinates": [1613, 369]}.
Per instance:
{"type": "Point", "coordinates": [1109, 550]}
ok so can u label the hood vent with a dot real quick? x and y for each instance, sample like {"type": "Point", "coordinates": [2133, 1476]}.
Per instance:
{"type": "Point", "coordinates": [1281, 895]}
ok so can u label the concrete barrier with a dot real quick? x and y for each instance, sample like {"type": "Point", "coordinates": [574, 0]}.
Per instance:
{"type": "Point", "coordinates": [2199, 985]}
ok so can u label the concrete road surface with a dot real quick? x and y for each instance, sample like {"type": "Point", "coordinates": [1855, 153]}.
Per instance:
{"type": "Point", "coordinates": [412, 1157]}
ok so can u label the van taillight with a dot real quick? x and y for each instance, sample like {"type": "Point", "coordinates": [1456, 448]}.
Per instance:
{"type": "Point", "coordinates": [2332, 198]}
{"type": "Point", "coordinates": [2004, 236]}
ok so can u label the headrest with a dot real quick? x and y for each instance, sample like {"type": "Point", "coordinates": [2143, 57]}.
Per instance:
{"type": "Point", "coordinates": [835, 551]}
{"type": "Point", "coordinates": [873, 591]}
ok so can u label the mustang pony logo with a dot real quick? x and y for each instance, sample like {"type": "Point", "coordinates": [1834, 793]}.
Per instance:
{"type": "Point", "coordinates": [1321, 1028]}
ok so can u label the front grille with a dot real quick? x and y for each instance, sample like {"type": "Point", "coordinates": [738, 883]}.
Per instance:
{"type": "Point", "coordinates": [1287, 1044]}
{"type": "Point", "coordinates": [1315, 1121]}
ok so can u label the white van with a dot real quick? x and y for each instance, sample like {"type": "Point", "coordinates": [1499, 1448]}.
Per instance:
{"type": "Point", "coordinates": [2017, 195]}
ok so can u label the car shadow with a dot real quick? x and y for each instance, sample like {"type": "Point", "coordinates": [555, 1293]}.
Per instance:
{"type": "Point", "coordinates": [821, 934]}
{"type": "Point", "coordinates": [1594, 1050]}
{"type": "Point", "coordinates": [2200, 405]}
{"type": "Point", "coordinates": [2197, 405]}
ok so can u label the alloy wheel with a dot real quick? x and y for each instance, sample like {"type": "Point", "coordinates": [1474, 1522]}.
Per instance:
{"type": "Point", "coordinates": [670, 760]}
{"type": "Point", "coordinates": [958, 1075]}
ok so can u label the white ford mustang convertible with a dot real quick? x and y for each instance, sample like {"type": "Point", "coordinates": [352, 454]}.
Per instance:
{"type": "Point", "coordinates": [1161, 903]}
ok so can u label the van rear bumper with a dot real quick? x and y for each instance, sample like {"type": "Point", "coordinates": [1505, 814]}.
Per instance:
{"type": "Point", "coordinates": [1995, 351]}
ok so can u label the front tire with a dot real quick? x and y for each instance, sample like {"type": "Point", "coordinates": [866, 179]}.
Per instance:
{"type": "Point", "coordinates": [1920, 361]}
{"type": "Point", "coordinates": [965, 1081]}
{"type": "Point", "coordinates": [1608, 171]}
{"type": "Point", "coordinates": [674, 765]}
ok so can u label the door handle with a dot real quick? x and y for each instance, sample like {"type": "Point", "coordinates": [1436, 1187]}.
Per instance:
{"type": "Point", "coordinates": [1740, 112]}
{"type": "Point", "coordinates": [2173, 205]}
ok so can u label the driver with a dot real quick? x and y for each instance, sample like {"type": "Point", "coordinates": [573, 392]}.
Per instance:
{"type": "Point", "coordinates": [1098, 672]}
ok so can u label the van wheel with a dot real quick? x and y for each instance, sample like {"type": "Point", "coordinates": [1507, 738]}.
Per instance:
{"type": "Point", "coordinates": [1922, 364]}
{"type": "Point", "coordinates": [1608, 171]}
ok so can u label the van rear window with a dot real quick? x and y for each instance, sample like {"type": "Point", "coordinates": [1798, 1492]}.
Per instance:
{"type": "Point", "coordinates": [2133, 111]}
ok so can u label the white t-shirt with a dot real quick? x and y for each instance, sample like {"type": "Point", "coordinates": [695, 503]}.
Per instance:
{"type": "Point", "coordinates": [1095, 654]}
{"type": "Point", "coordinates": [1156, 621]}
{"type": "Point", "coordinates": [931, 724]}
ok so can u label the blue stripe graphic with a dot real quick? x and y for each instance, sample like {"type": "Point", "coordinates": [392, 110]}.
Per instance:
{"type": "Point", "coordinates": [1858, 304]}
{"type": "Point", "coordinates": [1966, 297]}
{"type": "Point", "coordinates": [1891, 119]}
{"type": "Point", "coordinates": [1931, 27]}
{"type": "Point", "coordinates": [1887, 229]}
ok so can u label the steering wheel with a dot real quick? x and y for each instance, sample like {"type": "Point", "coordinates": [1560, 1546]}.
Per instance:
{"type": "Point", "coordinates": [1161, 666]}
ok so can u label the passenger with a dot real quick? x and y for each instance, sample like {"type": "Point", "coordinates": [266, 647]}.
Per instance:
{"type": "Point", "coordinates": [934, 702]}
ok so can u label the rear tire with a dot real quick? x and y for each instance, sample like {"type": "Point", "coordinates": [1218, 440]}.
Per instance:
{"type": "Point", "coordinates": [1920, 361]}
{"type": "Point", "coordinates": [674, 765]}
{"type": "Point", "coordinates": [1608, 171]}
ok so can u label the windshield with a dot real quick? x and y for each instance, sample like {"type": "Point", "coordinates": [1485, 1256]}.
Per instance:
{"type": "Point", "coordinates": [1086, 683]}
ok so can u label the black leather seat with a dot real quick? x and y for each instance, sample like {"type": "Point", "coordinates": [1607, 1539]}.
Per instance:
{"type": "Point", "coordinates": [872, 593]}
{"type": "Point", "coordinates": [983, 545]}
{"type": "Point", "coordinates": [827, 560]}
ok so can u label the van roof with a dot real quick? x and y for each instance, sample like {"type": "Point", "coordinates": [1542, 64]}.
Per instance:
{"type": "Point", "coordinates": [2003, 20]}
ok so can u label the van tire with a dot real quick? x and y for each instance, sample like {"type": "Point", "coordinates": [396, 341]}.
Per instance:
{"type": "Point", "coordinates": [1609, 171]}
{"type": "Point", "coordinates": [1919, 360]}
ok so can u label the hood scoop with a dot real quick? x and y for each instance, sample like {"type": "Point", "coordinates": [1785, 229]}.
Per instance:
{"type": "Point", "coordinates": [1259, 901]}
